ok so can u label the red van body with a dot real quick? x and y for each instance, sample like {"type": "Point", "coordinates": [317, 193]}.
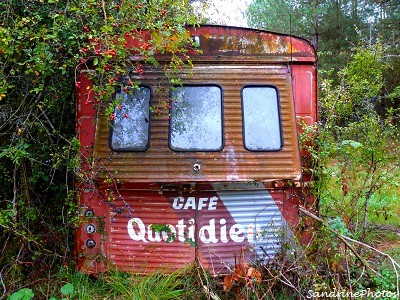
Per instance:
{"type": "Point", "coordinates": [206, 172]}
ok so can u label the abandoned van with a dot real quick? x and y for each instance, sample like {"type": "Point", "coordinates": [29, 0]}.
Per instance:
{"type": "Point", "coordinates": [206, 171]}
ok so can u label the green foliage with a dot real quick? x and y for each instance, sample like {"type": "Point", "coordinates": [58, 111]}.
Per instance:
{"type": "Point", "coordinates": [70, 284]}
{"type": "Point", "coordinates": [360, 90]}
{"type": "Point", "coordinates": [67, 289]}
{"type": "Point", "coordinates": [166, 230]}
{"type": "Point", "coordinates": [43, 47]}
{"type": "Point", "coordinates": [384, 207]}
{"type": "Point", "coordinates": [337, 225]}
{"type": "Point", "coordinates": [16, 153]}
{"type": "Point", "coordinates": [386, 280]}
{"type": "Point", "coordinates": [335, 27]}
{"type": "Point", "coordinates": [356, 171]}
{"type": "Point", "coordinates": [6, 216]}
{"type": "Point", "coordinates": [152, 286]}
{"type": "Point", "coordinates": [280, 16]}
{"type": "Point", "coordinates": [22, 294]}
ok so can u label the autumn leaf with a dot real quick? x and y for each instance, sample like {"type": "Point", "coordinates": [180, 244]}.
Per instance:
{"type": "Point", "coordinates": [228, 282]}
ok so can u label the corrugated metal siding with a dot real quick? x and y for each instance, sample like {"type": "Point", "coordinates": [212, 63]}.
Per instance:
{"type": "Point", "coordinates": [247, 208]}
{"type": "Point", "coordinates": [160, 164]}
{"type": "Point", "coordinates": [231, 58]}
{"type": "Point", "coordinates": [228, 223]}
{"type": "Point", "coordinates": [143, 254]}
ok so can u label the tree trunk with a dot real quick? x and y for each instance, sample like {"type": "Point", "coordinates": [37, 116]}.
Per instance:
{"type": "Point", "coordinates": [315, 25]}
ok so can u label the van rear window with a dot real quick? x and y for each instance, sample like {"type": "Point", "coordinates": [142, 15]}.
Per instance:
{"type": "Point", "coordinates": [130, 129]}
{"type": "Point", "coordinates": [196, 118]}
{"type": "Point", "coordinates": [261, 119]}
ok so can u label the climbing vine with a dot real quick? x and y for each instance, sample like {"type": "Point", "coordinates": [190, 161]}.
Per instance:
{"type": "Point", "coordinates": [44, 44]}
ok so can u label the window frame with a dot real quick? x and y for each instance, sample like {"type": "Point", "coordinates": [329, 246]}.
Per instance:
{"type": "Point", "coordinates": [279, 111]}
{"type": "Point", "coordinates": [118, 90]}
{"type": "Point", "coordinates": [222, 119]}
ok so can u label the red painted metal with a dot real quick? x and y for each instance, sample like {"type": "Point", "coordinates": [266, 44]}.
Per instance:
{"type": "Point", "coordinates": [142, 211]}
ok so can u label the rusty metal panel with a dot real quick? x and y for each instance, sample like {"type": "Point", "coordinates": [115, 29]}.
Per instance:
{"type": "Point", "coordinates": [234, 162]}
{"type": "Point", "coordinates": [224, 43]}
{"type": "Point", "coordinates": [243, 45]}
{"type": "Point", "coordinates": [246, 224]}
{"type": "Point", "coordinates": [235, 206]}
{"type": "Point", "coordinates": [218, 225]}
{"type": "Point", "coordinates": [135, 243]}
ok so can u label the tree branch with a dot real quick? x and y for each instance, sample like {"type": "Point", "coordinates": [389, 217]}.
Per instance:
{"type": "Point", "coordinates": [340, 236]}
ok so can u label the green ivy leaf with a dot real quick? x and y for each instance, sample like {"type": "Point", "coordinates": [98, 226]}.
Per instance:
{"type": "Point", "coordinates": [67, 289]}
{"type": "Point", "coordinates": [353, 144]}
{"type": "Point", "coordinates": [22, 294]}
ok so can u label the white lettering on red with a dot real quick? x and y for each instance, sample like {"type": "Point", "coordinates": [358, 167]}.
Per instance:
{"type": "Point", "coordinates": [182, 231]}
{"type": "Point", "coordinates": [137, 236]}
{"type": "Point", "coordinates": [207, 233]}
{"type": "Point", "coordinates": [224, 238]}
{"type": "Point", "coordinates": [190, 203]}
{"type": "Point", "coordinates": [178, 203]}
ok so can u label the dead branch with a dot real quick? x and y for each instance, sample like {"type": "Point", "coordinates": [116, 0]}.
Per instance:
{"type": "Point", "coordinates": [340, 236]}
{"type": "Point", "coordinates": [206, 289]}
{"type": "Point", "coordinates": [394, 263]}
{"type": "Point", "coordinates": [346, 240]}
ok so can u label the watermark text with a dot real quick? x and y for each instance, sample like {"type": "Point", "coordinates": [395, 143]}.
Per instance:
{"type": "Point", "coordinates": [367, 293]}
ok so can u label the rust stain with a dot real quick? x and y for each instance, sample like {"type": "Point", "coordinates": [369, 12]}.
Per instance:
{"type": "Point", "coordinates": [160, 164]}
{"type": "Point", "coordinates": [234, 196]}
{"type": "Point", "coordinates": [238, 41]}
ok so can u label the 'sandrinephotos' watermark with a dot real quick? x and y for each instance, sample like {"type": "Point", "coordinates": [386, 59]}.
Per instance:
{"type": "Point", "coordinates": [347, 294]}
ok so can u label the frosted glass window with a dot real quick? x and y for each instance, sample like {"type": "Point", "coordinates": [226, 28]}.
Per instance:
{"type": "Point", "coordinates": [196, 119]}
{"type": "Point", "coordinates": [261, 119]}
{"type": "Point", "coordinates": [130, 128]}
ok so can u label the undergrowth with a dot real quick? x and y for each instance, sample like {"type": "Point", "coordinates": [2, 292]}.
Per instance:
{"type": "Point", "coordinates": [324, 266]}
{"type": "Point", "coordinates": [356, 168]}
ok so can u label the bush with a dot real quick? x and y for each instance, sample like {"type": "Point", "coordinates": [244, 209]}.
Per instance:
{"type": "Point", "coordinates": [43, 47]}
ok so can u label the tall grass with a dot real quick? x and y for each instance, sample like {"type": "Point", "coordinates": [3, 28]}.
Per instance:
{"type": "Point", "coordinates": [69, 283]}
{"type": "Point", "coordinates": [156, 286]}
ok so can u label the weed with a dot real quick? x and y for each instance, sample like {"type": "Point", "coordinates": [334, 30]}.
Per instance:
{"type": "Point", "coordinates": [157, 286]}
{"type": "Point", "coordinates": [22, 294]}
